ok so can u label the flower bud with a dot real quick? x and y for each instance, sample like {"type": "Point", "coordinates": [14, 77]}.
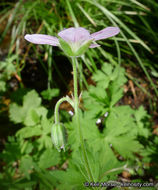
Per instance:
{"type": "Point", "coordinates": [58, 135]}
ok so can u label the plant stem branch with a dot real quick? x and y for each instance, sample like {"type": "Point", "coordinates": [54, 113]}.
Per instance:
{"type": "Point", "coordinates": [58, 105]}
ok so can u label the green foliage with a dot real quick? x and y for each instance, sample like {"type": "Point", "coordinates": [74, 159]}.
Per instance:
{"type": "Point", "coordinates": [30, 112]}
{"type": "Point", "coordinates": [104, 99]}
{"type": "Point", "coordinates": [22, 152]}
{"type": "Point", "coordinates": [123, 125]}
{"type": "Point", "coordinates": [50, 93]}
{"type": "Point", "coordinates": [54, 158]}
{"type": "Point", "coordinates": [123, 140]}
{"type": "Point", "coordinates": [7, 69]}
{"type": "Point", "coordinates": [122, 128]}
{"type": "Point", "coordinates": [26, 165]}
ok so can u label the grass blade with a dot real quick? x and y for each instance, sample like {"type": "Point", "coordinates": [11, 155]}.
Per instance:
{"type": "Point", "coordinates": [118, 21]}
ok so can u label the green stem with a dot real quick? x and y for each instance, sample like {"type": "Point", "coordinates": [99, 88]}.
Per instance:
{"type": "Point", "coordinates": [58, 105]}
{"type": "Point", "coordinates": [76, 105]}
{"type": "Point", "coordinates": [49, 67]}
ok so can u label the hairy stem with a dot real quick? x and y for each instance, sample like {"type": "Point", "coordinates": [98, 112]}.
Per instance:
{"type": "Point", "coordinates": [58, 105]}
{"type": "Point", "coordinates": [76, 105]}
{"type": "Point", "coordinates": [50, 68]}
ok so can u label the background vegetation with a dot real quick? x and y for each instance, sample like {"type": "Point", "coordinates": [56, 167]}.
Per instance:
{"type": "Point", "coordinates": [119, 89]}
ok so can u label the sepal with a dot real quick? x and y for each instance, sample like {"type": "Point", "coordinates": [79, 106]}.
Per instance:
{"type": "Point", "coordinates": [66, 47]}
{"type": "Point", "coordinates": [58, 135]}
{"type": "Point", "coordinates": [83, 48]}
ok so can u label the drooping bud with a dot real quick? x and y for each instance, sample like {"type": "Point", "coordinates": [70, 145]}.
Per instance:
{"type": "Point", "coordinates": [58, 134]}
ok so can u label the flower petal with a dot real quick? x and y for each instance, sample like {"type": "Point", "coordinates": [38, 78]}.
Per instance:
{"type": "Point", "coordinates": [42, 39]}
{"type": "Point", "coordinates": [94, 45]}
{"type": "Point", "coordinates": [74, 34]}
{"type": "Point", "coordinates": [105, 33]}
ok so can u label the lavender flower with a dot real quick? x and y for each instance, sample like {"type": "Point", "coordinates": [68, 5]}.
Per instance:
{"type": "Point", "coordinates": [73, 41]}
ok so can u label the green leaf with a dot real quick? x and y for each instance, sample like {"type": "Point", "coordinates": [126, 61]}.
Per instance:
{"type": "Point", "coordinates": [50, 93]}
{"type": "Point", "coordinates": [26, 147]}
{"type": "Point", "coordinates": [28, 132]}
{"type": "Point", "coordinates": [31, 118]}
{"type": "Point", "coordinates": [50, 157]}
{"type": "Point", "coordinates": [116, 93]}
{"type": "Point", "coordinates": [126, 145]}
{"type": "Point", "coordinates": [109, 165]}
{"type": "Point", "coordinates": [26, 165]}
{"type": "Point", "coordinates": [102, 77]}
{"type": "Point", "coordinates": [12, 151]}
{"type": "Point", "coordinates": [2, 86]}
{"type": "Point", "coordinates": [30, 112]}
{"type": "Point", "coordinates": [7, 69]}
{"type": "Point", "coordinates": [121, 116]}
{"type": "Point", "coordinates": [101, 162]}
{"type": "Point", "coordinates": [45, 139]}
{"type": "Point", "coordinates": [120, 131]}
{"type": "Point", "coordinates": [70, 179]}
{"type": "Point", "coordinates": [95, 97]}
{"type": "Point", "coordinates": [107, 92]}
{"type": "Point", "coordinates": [90, 131]}
{"type": "Point", "coordinates": [16, 113]}
{"type": "Point", "coordinates": [140, 115]}
{"type": "Point", "coordinates": [31, 100]}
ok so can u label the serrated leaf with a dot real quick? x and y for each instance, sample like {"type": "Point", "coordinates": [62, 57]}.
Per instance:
{"type": "Point", "coordinates": [107, 69]}
{"type": "Point", "coordinates": [70, 179]}
{"type": "Point", "coordinates": [120, 131]}
{"type": "Point", "coordinates": [12, 152]}
{"type": "Point", "coordinates": [44, 142]}
{"type": "Point", "coordinates": [2, 86]}
{"type": "Point", "coordinates": [107, 91]}
{"type": "Point", "coordinates": [108, 163]}
{"type": "Point", "coordinates": [95, 97]}
{"type": "Point", "coordinates": [140, 114]}
{"type": "Point", "coordinates": [26, 147]}
{"type": "Point", "coordinates": [30, 112]}
{"type": "Point", "coordinates": [31, 100]}
{"type": "Point", "coordinates": [26, 165]}
{"type": "Point", "coordinates": [90, 131]}
{"type": "Point", "coordinates": [28, 132]}
{"type": "Point", "coordinates": [50, 93]}
{"type": "Point", "coordinates": [102, 77]}
{"type": "Point", "coordinates": [16, 113]}
{"type": "Point", "coordinates": [116, 93]}
{"type": "Point", "coordinates": [50, 157]}
{"type": "Point", "coordinates": [46, 125]}
{"type": "Point", "coordinates": [119, 119]}
{"type": "Point", "coordinates": [31, 118]}
{"type": "Point", "coordinates": [126, 145]}
{"type": "Point", "coordinates": [108, 74]}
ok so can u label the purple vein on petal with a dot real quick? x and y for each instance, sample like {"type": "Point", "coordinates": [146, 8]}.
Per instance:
{"type": "Point", "coordinates": [94, 45]}
{"type": "Point", "coordinates": [42, 39]}
{"type": "Point", "coordinates": [105, 33]}
{"type": "Point", "coordinates": [75, 34]}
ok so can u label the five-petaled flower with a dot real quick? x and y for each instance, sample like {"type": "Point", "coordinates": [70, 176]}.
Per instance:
{"type": "Point", "coordinates": [73, 41]}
